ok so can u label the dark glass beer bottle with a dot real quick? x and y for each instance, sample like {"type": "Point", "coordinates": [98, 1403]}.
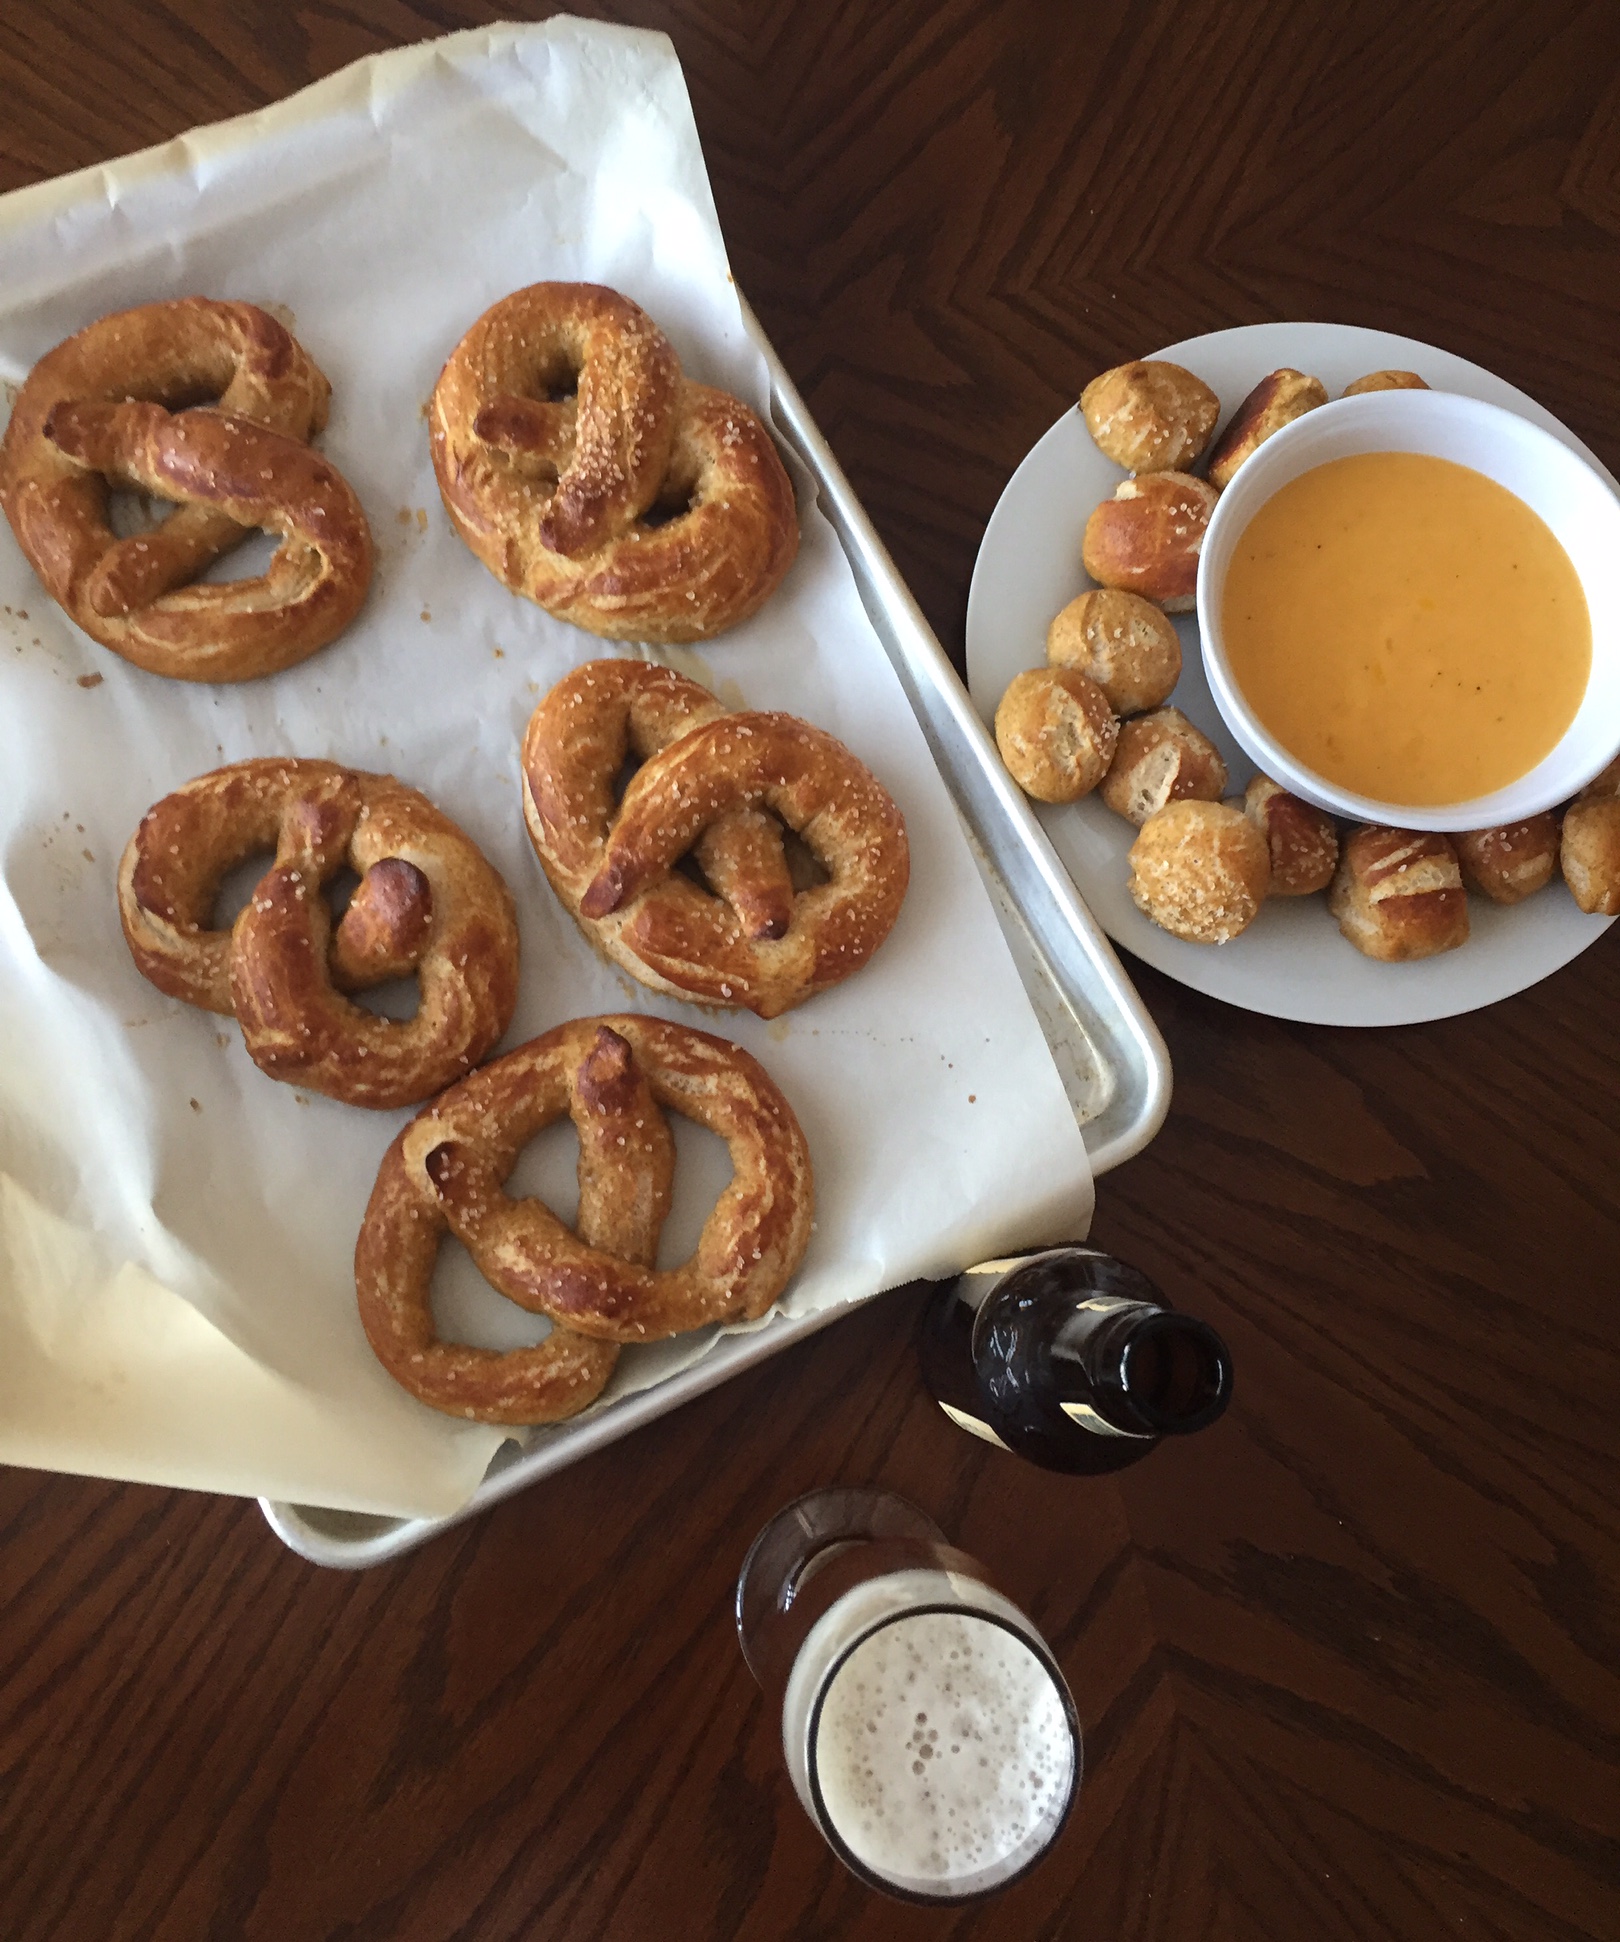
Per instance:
{"type": "Point", "coordinates": [1072, 1359]}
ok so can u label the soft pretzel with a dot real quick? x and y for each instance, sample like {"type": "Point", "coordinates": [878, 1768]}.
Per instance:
{"type": "Point", "coordinates": [719, 785]}
{"type": "Point", "coordinates": [446, 1173]}
{"type": "Point", "coordinates": [111, 406]}
{"type": "Point", "coordinates": [637, 505]}
{"type": "Point", "coordinates": [427, 903]}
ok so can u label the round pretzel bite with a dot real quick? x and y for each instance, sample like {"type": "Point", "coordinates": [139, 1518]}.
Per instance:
{"type": "Point", "coordinates": [1150, 416]}
{"type": "Point", "coordinates": [637, 506]}
{"type": "Point", "coordinates": [427, 902]}
{"type": "Point", "coordinates": [1304, 840]}
{"type": "Point", "coordinates": [1120, 641]}
{"type": "Point", "coordinates": [1147, 538]}
{"type": "Point", "coordinates": [446, 1173]}
{"type": "Point", "coordinates": [1277, 400]}
{"type": "Point", "coordinates": [1384, 381]}
{"type": "Point", "coordinates": [1512, 862]}
{"type": "Point", "coordinates": [1200, 870]}
{"type": "Point", "coordinates": [114, 406]}
{"type": "Point", "coordinates": [1589, 850]}
{"type": "Point", "coordinates": [1056, 733]}
{"type": "Point", "coordinates": [1161, 758]}
{"type": "Point", "coordinates": [1398, 894]}
{"type": "Point", "coordinates": [723, 786]}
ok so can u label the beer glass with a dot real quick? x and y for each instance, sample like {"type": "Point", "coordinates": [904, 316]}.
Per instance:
{"type": "Point", "coordinates": [927, 1730]}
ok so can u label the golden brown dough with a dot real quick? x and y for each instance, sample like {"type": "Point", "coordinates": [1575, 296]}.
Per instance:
{"type": "Point", "coordinates": [119, 405]}
{"type": "Point", "coordinates": [1147, 538]}
{"type": "Point", "coordinates": [721, 785]}
{"type": "Point", "coordinates": [1303, 839]}
{"type": "Point", "coordinates": [1122, 642]}
{"type": "Point", "coordinates": [1161, 758]}
{"type": "Point", "coordinates": [428, 902]}
{"type": "Point", "coordinates": [1590, 845]}
{"type": "Point", "coordinates": [1399, 895]}
{"type": "Point", "coordinates": [1512, 862]}
{"type": "Point", "coordinates": [1277, 400]}
{"type": "Point", "coordinates": [1150, 416]}
{"type": "Point", "coordinates": [642, 507]}
{"type": "Point", "coordinates": [1385, 381]}
{"type": "Point", "coordinates": [1056, 733]}
{"type": "Point", "coordinates": [446, 1173]}
{"type": "Point", "coordinates": [1200, 870]}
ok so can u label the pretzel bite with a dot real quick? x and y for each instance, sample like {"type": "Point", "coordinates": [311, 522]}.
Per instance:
{"type": "Point", "coordinates": [1384, 381]}
{"type": "Point", "coordinates": [1398, 894]}
{"type": "Point", "coordinates": [1510, 863]}
{"type": "Point", "coordinates": [1590, 847]}
{"type": "Point", "coordinates": [1056, 733]}
{"type": "Point", "coordinates": [1146, 539]}
{"type": "Point", "coordinates": [1123, 642]}
{"type": "Point", "coordinates": [1277, 400]}
{"type": "Point", "coordinates": [1200, 870]}
{"type": "Point", "coordinates": [1303, 839]}
{"type": "Point", "coordinates": [1162, 758]}
{"type": "Point", "coordinates": [1150, 416]}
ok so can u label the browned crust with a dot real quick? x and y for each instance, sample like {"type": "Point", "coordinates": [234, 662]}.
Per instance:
{"type": "Point", "coordinates": [1150, 415]}
{"type": "Point", "coordinates": [1122, 642]}
{"type": "Point", "coordinates": [435, 907]}
{"type": "Point", "coordinates": [705, 778]}
{"type": "Point", "coordinates": [1398, 894]}
{"type": "Point", "coordinates": [1056, 733]}
{"type": "Point", "coordinates": [445, 1173]}
{"type": "Point", "coordinates": [1161, 758]}
{"type": "Point", "coordinates": [1147, 538]}
{"type": "Point", "coordinates": [1199, 870]}
{"type": "Point", "coordinates": [1385, 381]}
{"type": "Point", "coordinates": [1589, 853]}
{"type": "Point", "coordinates": [1303, 840]}
{"type": "Point", "coordinates": [1277, 400]}
{"type": "Point", "coordinates": [1511, 862]}
{"type": "Point", "coordinates": [114, 403]}
{"type": "Point", "coordinates": [556, 498]}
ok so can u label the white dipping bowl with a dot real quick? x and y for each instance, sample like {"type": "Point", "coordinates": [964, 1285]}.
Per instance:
{"type": "Point", "coordinates": [1576, 502]}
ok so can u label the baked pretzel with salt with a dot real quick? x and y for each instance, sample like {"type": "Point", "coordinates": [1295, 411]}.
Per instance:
{"type": "Point", "coordinates": [721, 787]}
{"type": "Point", "coordinates": [588, 475]}
{"type": "Point", "coordinates": [427, 903]}
{"type": "Point", "coordinates": [209, 406]}
{"type": "Point", "coordinates": [446, 1173]}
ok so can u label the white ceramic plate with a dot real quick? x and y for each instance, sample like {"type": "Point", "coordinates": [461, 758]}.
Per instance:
{"type": "Point", "coordinates": [1292, 962]}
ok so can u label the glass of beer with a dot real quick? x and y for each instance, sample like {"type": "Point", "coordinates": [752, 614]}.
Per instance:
{"type": "Point", "coordinates": [927, 1729]}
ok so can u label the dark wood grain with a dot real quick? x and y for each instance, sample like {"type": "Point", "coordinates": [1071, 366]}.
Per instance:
{"type": "Point", "coordinates": [1348, 1667]}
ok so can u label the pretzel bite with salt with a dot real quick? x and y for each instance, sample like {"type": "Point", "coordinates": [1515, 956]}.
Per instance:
{"type": "Point", "coordinates": [1590, 847]}
{"type": "Point", "coordinates": [1122, 642]}
{"type": "Point", "coordinates": [1150, 415]}
{"type": "Point", "coordinates": [1161, 758]}
{"type": "Point", "coordinates": [1147, 538]}
{"type": "Point", "coordinates": [1398, 894]}
{"type": "Point", "coordinates": [1200, 870]}
{"type": "Point", "coordinates": [1056, 733]}
{"type": "Point", "coordinates": [1277, 400]}
{"type": "Point", "coordinates": [1384, 381]}
{"type": "Point", "coordinates": [1512, 862]}
{"type": "Point", "coordinates": [1303, 839]}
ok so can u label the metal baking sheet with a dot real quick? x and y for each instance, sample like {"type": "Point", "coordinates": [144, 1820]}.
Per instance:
{"type": "Point", "coordinates": [1112, 1060]}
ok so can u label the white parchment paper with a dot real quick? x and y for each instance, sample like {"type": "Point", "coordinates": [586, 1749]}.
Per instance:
{"type": "Point", "coordinates": [177, 1230]}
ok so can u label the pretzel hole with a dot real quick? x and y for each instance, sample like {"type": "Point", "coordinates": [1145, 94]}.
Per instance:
{"type": "Point", "coordinates": [395, 998]}
{"type": "Point", "coordinates": [132, 514]}
{"type": "Point", "coordinates": [672, 503]}
{"type": "Point", "coordinates": [248, 559]}
{"type": "Point", "coordinates": [805, 868]}
{"type": "Point", "coordinates": [237, 886]}
{"type": "Point", "coordinates": [467, 1309]}
{"type": "Point", "coordinates": [703, 1171]}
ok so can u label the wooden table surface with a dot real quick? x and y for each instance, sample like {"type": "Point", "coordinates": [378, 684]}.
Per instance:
{"type": "Point", "coordinates": [1347, 1665]}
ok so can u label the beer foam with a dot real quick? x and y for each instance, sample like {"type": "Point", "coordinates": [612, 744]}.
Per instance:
{"type": "Point", "coordinates": [943, 1750]}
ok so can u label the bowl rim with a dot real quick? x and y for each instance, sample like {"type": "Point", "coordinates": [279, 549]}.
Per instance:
{"type": "Point", "coordinates": [1257, 741]}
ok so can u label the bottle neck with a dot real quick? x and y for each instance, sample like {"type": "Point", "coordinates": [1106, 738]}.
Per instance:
{"type": "Point", "coordinates": [1143, 1368]}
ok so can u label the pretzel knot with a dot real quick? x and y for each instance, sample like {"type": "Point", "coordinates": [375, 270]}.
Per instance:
{"type": "Point", "coordinates": [427, 903]}
{"type": "Point", "coordinates": [597, 1282]}
{"type": "Point", "coordinates": [719, 787]}
{"type": "Point", "coordinates": [122, 403]}
{"type": "Point", "coordinates": [588, 475]}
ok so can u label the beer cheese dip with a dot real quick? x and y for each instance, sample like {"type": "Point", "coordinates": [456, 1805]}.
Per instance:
{"type": "Point", "coordinates": [1407, 628]}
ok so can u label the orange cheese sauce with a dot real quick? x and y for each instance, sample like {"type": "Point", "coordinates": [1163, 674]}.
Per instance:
{"type": "Point", "coordinates": [1407, 627]}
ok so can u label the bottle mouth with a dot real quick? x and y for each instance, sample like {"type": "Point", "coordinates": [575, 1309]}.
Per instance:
{"type": "Point", "coordinates": [1176, 1373]}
